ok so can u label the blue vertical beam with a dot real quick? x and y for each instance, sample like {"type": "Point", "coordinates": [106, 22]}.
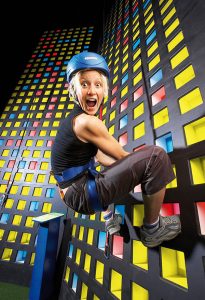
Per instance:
{"type": "Point", "coordinates": [42, 281]}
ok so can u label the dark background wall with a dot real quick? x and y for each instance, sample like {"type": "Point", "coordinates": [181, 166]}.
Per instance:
{"type": "Point", "coordinates": [22, 24]}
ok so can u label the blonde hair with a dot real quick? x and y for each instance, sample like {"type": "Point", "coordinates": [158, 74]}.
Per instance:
{"type": "Point", "coordinates": [75, 86]}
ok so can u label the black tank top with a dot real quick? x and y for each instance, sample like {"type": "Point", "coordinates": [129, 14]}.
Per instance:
{"type": "Point", "coordinates": [67, 150]}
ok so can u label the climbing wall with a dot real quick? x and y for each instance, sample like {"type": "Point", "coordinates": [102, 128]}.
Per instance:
{"type": "Point", "coordinates": [155, 51]}
{"type": "Point", "coordinates": [28, 126]}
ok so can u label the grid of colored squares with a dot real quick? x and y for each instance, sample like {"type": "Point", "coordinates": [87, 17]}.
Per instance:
{"type": "Point", "coordinates": [28, 126]}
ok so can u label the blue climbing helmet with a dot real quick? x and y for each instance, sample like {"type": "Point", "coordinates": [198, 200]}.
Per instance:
{"type": "Point", "coordinates": [86, 60]}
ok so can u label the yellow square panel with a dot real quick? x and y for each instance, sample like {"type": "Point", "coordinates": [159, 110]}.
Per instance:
{"type": "Point", "coordinates": [37, 192]}
{"type": "Point", "coordinates": [154, 62]}
{"type": "Point", "coordinates": [29, 177]}
{"type": "Point", "coordinates": [148, 18]}
{"type": "Point", "coordinates": [152, 49]}
{"type": "Point", "coordinates": [169, 2]}
{"type": "Point", "coordinates": [139, 130]}
{"type": "Point", "coordinates": [169, 16]}
{"type": "Point", "coordinates": [125, 68]}
{"type": "Point", "coordinates": [175, 41]}
{"type": "Point", "coordinates": [36, 154]}
{"type": "Point", "coordinates": [136, 54]}
{"type": "Point", "coordinates": [147, 10]}
{"type": "Point", "coordinates": [112, 115]}
{"type": "Point", "coordinates": [194, 132]}
{"type": "Point", "coordinates": [147, 30]}
{"type": "Point", "coordinates": [174, 266]}
{"type": "Point", "coordinates": [116, 284]}
{"type": "Point", "coordinates": [137, 65]}
{"type": "Point", "coordinates": [172, 27]}
{"type": "Point", "coordinates": [190, 101]}
{"type": "Point", "coordinates": [183, 77]}
{"type": "Point", "coordinates": [179, 57]}
{"type": "Point", "coordinates": [47, 207]}
{"type": "Point", "coordinates": [21, 205]}
{"type": "Point", "coordinates": [161, 118]}
{"type": "Point", "coordinates": [137, 78]}
{"type": "Point", "coordinates": [17, 220]}
{"type": "Point", "coordinates": [138, 110]}
{"type": "Point", "coordinates": [124, 91]}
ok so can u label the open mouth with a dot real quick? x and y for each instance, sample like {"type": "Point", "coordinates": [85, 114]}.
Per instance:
{"type": "Point", "coordinates": [91, 103]}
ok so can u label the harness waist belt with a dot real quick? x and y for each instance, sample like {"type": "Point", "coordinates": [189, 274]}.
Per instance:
{"type": "Point", "coordinates": [73, 172]}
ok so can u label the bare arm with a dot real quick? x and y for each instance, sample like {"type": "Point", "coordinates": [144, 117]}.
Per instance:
{"type": "Point", "coordinates": [104, 159]}
{"type": "Point", "coordinates": [91, 129]}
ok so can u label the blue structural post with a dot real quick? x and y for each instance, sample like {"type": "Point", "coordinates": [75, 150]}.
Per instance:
{"type": "Point", "coordinates": [42, 281]}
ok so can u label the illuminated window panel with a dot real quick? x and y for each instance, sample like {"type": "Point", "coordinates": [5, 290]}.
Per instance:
{"type": "Point", "coordinates": [9, 203]}
{"type": "Point", "coordinates": [1, 234]}
{"type": "Point", "coordinates": [158, 96]}
{"type": "Point", "coordinates": [99, 273]}
{"type": "Point", "coordinates": [137, 65]}
{"type": "Point", "coordinates": [33, 165]}
{"type": "Point", "coordinates": [173, 183]}
{"type": "Point", "coordinates": [138, 215]}
{"type": "Point", "coordinates": [169, 16]}
{"type": "Point", "coordinates": [190, 101]}
{"type": "Point", "coordinates": [151, 37]}
{"type": "Point", "coordinates": [117, 248]}
{"type": "Point", "coordinates": [34, 206]}
{"type": "Point", "coordinates": [84, 292]}
{"type": "Point", "coordinates": [165, 7]}
{"type": "Point", "coordinates": [194, 132]}
{"type": "Point", "coordinates": [112, 115]}
{"type": "Point", "coordinates": [124, 91]}
{"type": "Point", "coordinates": [123, 121]}
{"type": "Point", "coordinates": [150, 26]}
{"type": "Point", "coordinates": [21, 205]}
{"type": "Point", "coordinates": [154, 79]}
{"type": "Point", "coordinates": [17, 220]}
{"type": "Point", "coordinates": [116, 284]}
{"type": "Point", "coordinates": [6, 255]}
{"type": "Point", "coordinates": [172, 27]}
{"type": "Point", "coordinates": [138, 292]}
{"type": "Point", "coordinates": [25, 239]}
{"type": "Point", "coordinates": [161, 118]}
{"type": "Point", "coordinates": [173, 266]}
{"type": "Point", "coordinates": [87, 263]}
{"type": "Point", "coordinates": [70, 253]}
{"type": "Point", "coordinates": [155, 61]}
{"type": "Point", "coordinates": [140, 255]}
{"type": "Point", "coordinates": [123, 139]}
{"type": "Point", "coordinates": [137, 78]}
{"type": "Point", "coordinates": [179, 57]}
{"type": "Point", "coordinates": [175, 41]}
{"type": "Point", "coordinates": [138, 93]}
{"type": "Point", "coordinates": [4, 218]}
{"type": "Point", "coordinates": [184, 77]}
{"type": "Point", "coordinates": [136, 54]}
{"type": "Point", "coordinates": [152, 49]}
{"type": "Point", "coordinates": [78, 256]}
{"type": "Point", "coordinates": [67, 274]}
{"type": "Point", "coordinates": [169, 209]}
{"type": "Point", "coordinates": [139, 130]}
{"type": "Point", "coordinates": [47, 207]}
{"type": "Point", "coordinates": [138, 110]}
{"type": "Point", "coordinates": [124, 105]}
{"type": "Point", "coordinates": [120, 209]}
{"type": "Point", "coordinates": [198, 170]}
{"type": "Point", "coordinates": [165, 142]}
{"type": "Point", "coordinates": [201, 214]}
{"type": "Point", "coordinates": [111, 129]}
{"type": "Point", "coordinates": [74, 282]}
{"type": "Point", "coordinates": [101, 240]}
{"type": "Point", "coordinates": [149, 17]}
{"type": "Point", "coordinates": [114, 90]}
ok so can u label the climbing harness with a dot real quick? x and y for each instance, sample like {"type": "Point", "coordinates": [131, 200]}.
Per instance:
{"type": "Point", "coordinates": [74, 172]}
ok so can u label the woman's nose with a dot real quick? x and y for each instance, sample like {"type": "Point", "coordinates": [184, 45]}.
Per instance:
{"type": "Point", "coordinates": [91, 90]}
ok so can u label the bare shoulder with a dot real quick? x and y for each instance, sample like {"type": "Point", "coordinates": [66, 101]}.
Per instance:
{"type": "Point", "coordinates": [88, 122]}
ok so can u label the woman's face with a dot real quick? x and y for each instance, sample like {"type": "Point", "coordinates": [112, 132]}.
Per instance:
{"type": "Point", "coordinates": [91, 91]}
